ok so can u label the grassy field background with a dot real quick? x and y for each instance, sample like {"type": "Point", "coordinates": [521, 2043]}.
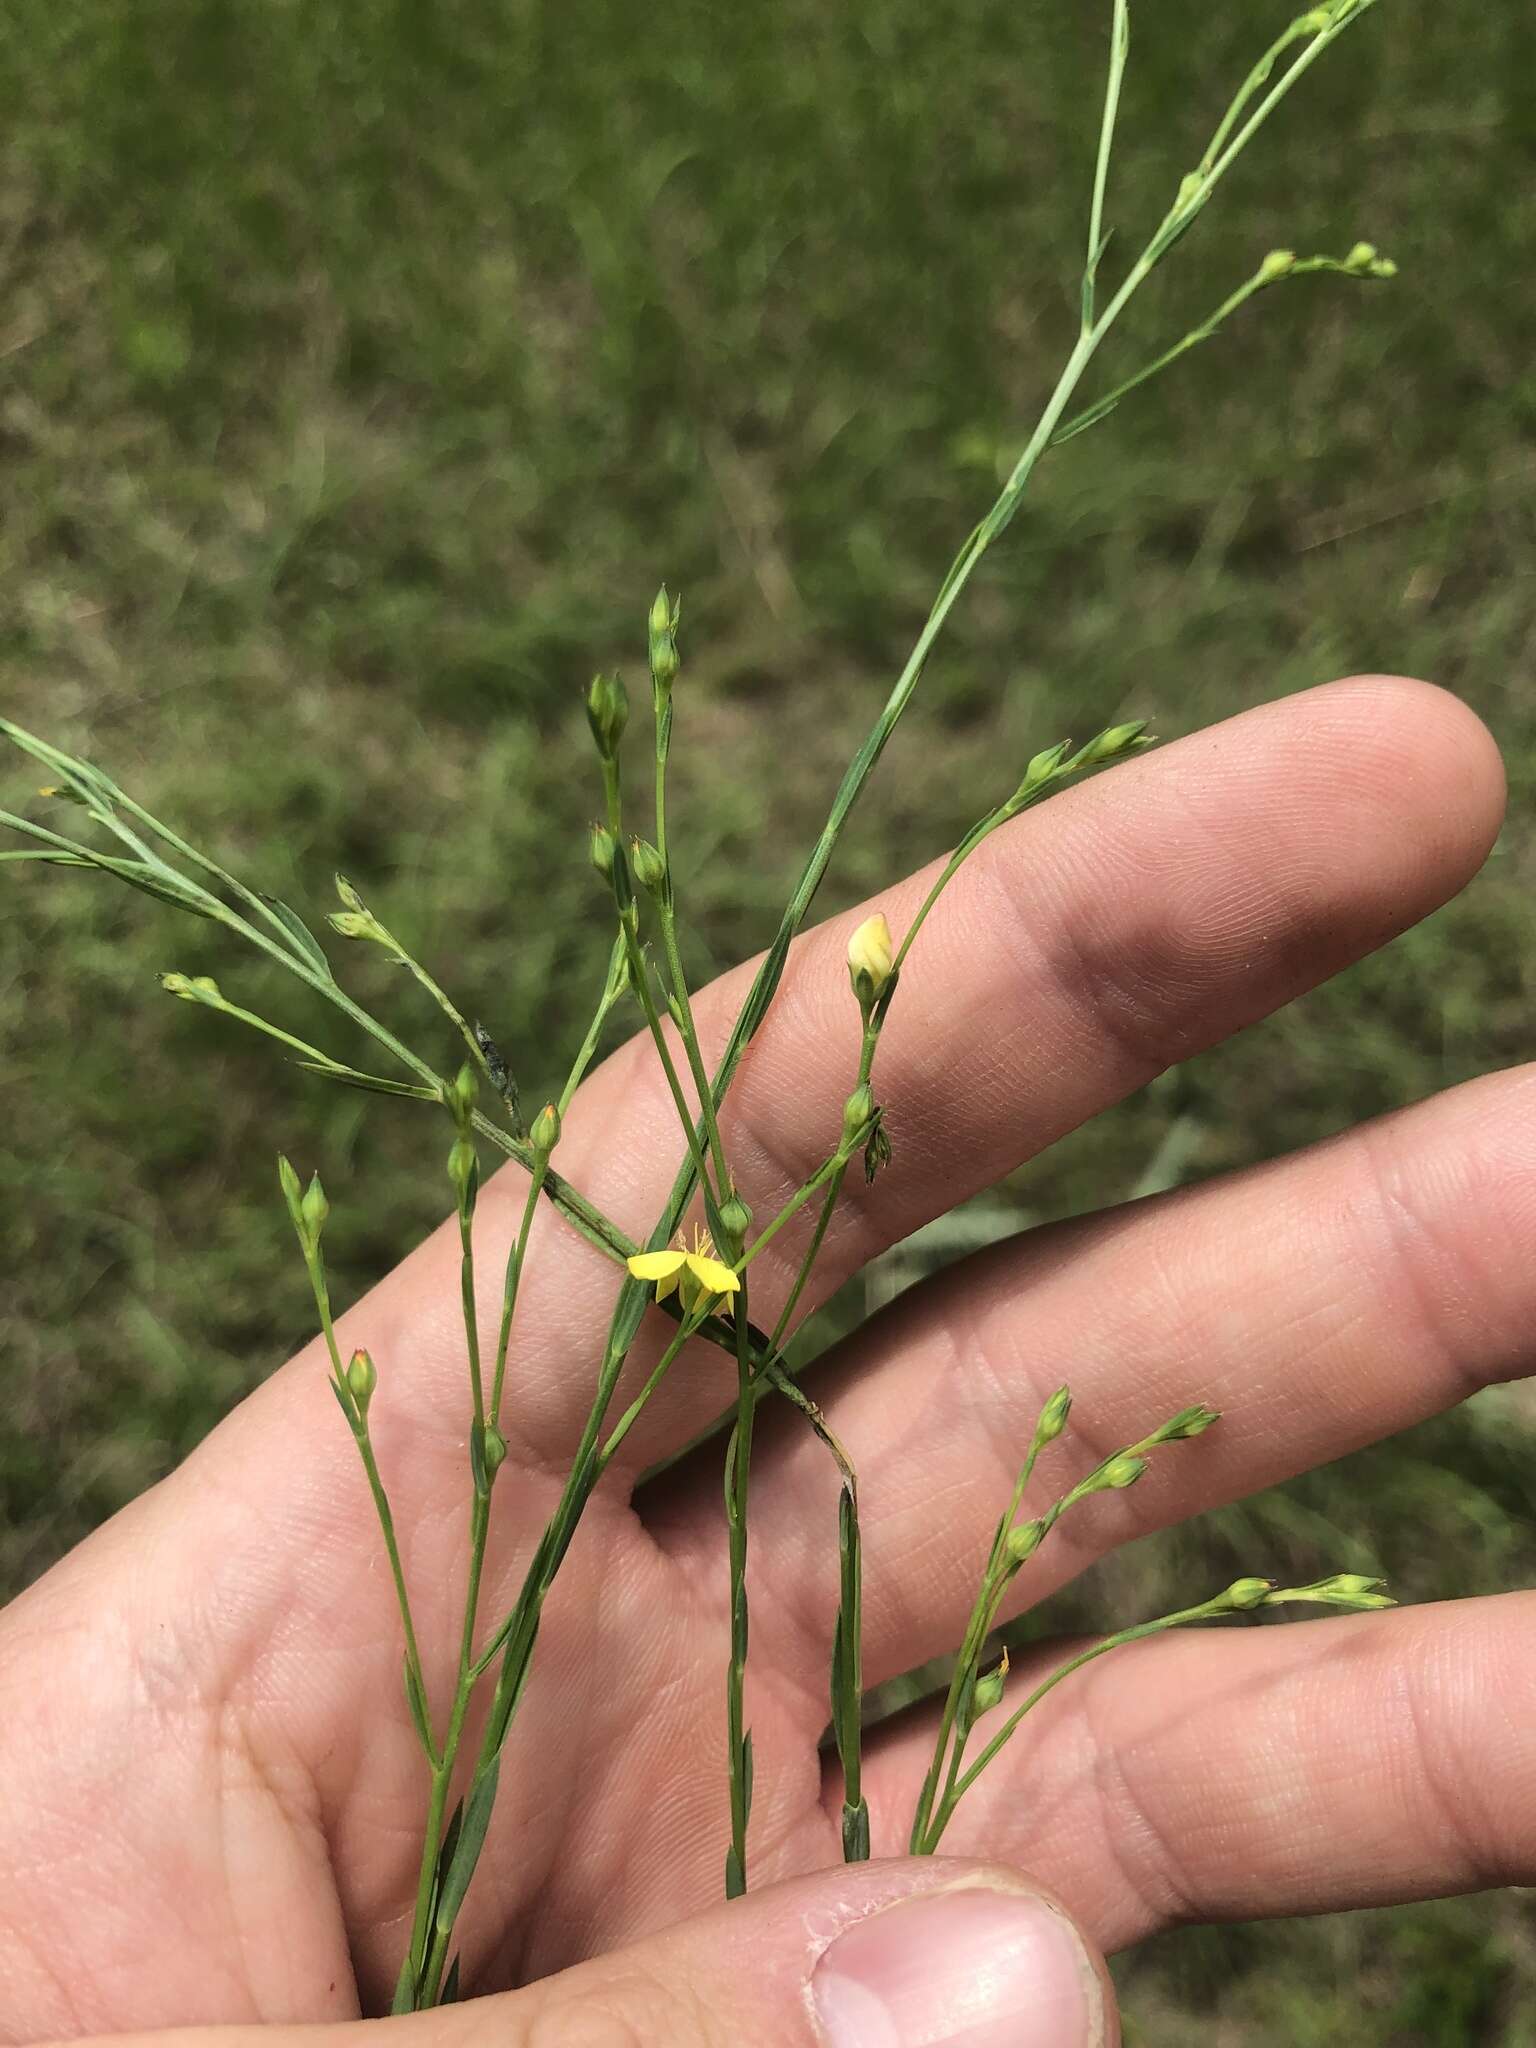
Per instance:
{"type": "Point", "coordinates": [362, 370]}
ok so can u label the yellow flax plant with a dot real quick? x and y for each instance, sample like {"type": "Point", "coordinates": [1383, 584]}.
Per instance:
{"type": "Point", "coordinates": [702, 1280]}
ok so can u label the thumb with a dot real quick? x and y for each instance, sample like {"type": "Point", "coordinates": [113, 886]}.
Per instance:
{"type": "Point", "coordinates": [920, 1954]}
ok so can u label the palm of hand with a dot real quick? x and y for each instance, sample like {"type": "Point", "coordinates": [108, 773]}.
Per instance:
{"type": "Point", "coordinates": [216, 1794]}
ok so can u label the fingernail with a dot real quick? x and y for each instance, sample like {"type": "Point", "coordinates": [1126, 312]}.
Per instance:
{"type": "Point", "coordinates": [960, 1969]}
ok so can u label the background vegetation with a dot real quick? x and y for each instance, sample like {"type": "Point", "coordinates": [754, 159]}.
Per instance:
{"type": "Point", "coordinates": [362, 369]}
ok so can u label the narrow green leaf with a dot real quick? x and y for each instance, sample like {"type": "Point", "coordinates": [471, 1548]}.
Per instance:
{"type": "Point", "coordinates": [370, 1084]}
{"type": "Point", "coordinates": [466, 1854]}
{"type": "Point", "coordinates": [746, 1776]}
{"type": "Point", "coordinates": [416, 1700]}
{"type": "Point", "coordinates": [304, 941]}
{"type": "Point", "coordinates": [477, 1460]}
{"type": "Point", "coordinates": [856, 1833]}
{"type": "Point", "coordinates": [451, 1984]}
{"type": "Point", "coordinates": [735, 1876]}
{"type": "Point", "coordinates": [58, 860]}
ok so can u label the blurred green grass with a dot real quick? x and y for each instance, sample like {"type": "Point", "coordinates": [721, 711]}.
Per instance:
{"type": "Point", "coordinates": [362, 369]}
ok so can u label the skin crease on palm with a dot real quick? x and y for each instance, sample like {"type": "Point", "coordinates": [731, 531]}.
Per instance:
{"type": "Point", "coordinates": [213, 1794]}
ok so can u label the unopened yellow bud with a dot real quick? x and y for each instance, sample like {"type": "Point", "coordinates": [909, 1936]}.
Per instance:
{"type": "Point", "coordinates": [545, 1135]}
{"type": "Point", "coordinates": [1277, 264]}
{"type": "Point", "coordinates": [871, 958]}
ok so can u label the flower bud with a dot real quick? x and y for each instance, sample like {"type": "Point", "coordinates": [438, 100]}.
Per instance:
{"type": "Point", "coordinates": [1053, 1417]}
{"type": "Point", "coordinates": [1043, 766]}
{"type": "Point", "coordinates": [1246, 1594]}
{"type": "Point", "coordinates": [462, 1091]}
{"type": "Point", "coordinates": [871, 959]}
{"type": "Point", "coordinates": [1277, 264]}
{"type": "Point", "coordinates": [314, 1208]}
{"type": "Point", "coordinates": [857, 1111]}
{"type": "Point", "coordinates": [601, 850]}
{"type": "Point", "coordinates": [988, 1690]}
{"type": "Point", "coordinates": [353, 924]}
{"type": "Point", "coordinates": [545, 1135]}
{"type": "Point", "coordinates": [495, 1450]}
{"type": "Point", "coordinates": [735, 1218]}
{"type": "Point", "coordinates": [1023, 1540]}
{"type": "Point", "coordinates": [647, 866]}
{"type": "Point", "coordinates": [192, 988]}
{"type": "Point", "coordinates": [362, 1378]}
{"type": "Point", "coordinates": [1112, 743]}
{"type": "Point", "coordinates": [1121, 1472]}
{"type": "Point", "coordinates": [1187, 1423]}
{"type": "Point", "coordinates": [663, 640]}
{"type": "Point", "coordinates": [607, 713]}
{"type": "Point", "coordinates": [348, 894]}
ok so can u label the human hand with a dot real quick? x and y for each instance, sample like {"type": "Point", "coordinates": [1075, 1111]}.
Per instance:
{"type": "Point", "coordinates": [213, 1788]}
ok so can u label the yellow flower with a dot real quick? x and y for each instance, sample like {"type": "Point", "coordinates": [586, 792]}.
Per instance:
{"type": "Point", "coordinates": [697, 1274]}
{"type": "Point", "coordinates": [870, 954]}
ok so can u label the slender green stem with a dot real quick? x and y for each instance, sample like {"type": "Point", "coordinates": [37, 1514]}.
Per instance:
{"type": "Point", "coordinates": [1119, 50]}
{"type": "Point", "coordinates": [315, 1266]}
{"type": "Point", "coordinates": [1207, 1610]}
{"type": "Point", "coordinates": [738, 1470]}
{"type": "Point", "coordinates": [512, 1283]}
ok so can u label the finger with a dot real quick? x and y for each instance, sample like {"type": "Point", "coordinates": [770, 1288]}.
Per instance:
{"type": "Point", "coordinates": [1122, 927]}
{"type": "Point", "coordinates": [1357, 1761]}
{"type": "Point", "coordinates": [1320, 1302]}
{"type": "Point", "coordinates": [891, 1955]}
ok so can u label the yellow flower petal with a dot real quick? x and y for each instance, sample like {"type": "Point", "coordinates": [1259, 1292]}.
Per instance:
{"type": "Point", "coordinates": [662, 1265]}
{"type": "Point", "coordinates": [711, 1275]}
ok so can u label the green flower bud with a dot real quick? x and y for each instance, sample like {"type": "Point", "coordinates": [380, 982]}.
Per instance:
{"type": "Point", "coordinates": [1187, 1423]}
{"type": "Point", "coordinates": [1361, 257]}
{"type": "Point", "coordinates": [1345, 1589]}
{"type": "Point", "coordinates": [362, 1378]}
{"type": "Point", "coordinates": [314, 1208]}
{"type": "Point", "coordinates": [1246, 1594]}
{"type": "Point", "coordinates": [495, 1450]}
{"type": "Point", "coordinates": [1111, 744]}
{"type": "Point", "coordinates": [192, 988]}
{"type": "Point", "coordinates": [1053, 1417]}
{"type": "Point", "coordinates": [1120, 1472]}
{"type": "Point", "coordinates": [353, 924]}
{"type": "Point", "coordinates": [735, 1219]}
{"type": "Point", "coordinates": [1277, 264]}
{"type": "Point", "coordinates": [545, 1135]}
{"type": "Point", "coordinates": [1043, 767]}
{"type": "Point", "coordinates": [1023, 1540]}
{"type": "Point", "coordinates": [663, 641]}
{"type": "Point", "coordinates": [462, 1092]}
{"type": "Point", "coordinates": [647, 866]}
{"type": "Point", "coordinates": [348, 894]}
{"type": "Point", "coordinates": [293, 1190]}
{"type": "Point", "coordinates": [607, 713]}
{"type": "Point", "coordinates": [601, 850]}
{"type": "Point", "coordinates": [857, 1111]}
{"type": "Point", "coordinates": [988, 1690]}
